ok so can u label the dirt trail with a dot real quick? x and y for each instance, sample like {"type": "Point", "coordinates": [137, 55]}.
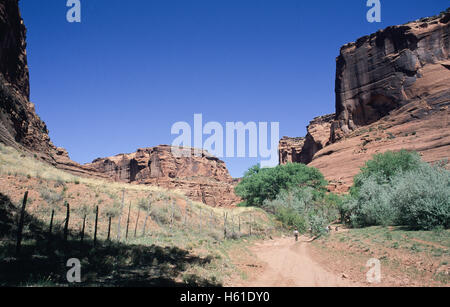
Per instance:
{"type": "Point", "coordinates": [286, 263]}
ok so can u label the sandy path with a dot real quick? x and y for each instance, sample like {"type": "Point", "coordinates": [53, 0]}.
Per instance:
{"type": "Point", "coordinates": [286, 263]}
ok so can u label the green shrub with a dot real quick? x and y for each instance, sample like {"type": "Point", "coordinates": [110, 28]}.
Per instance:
{"type": "Point", "coordinates": [411, 193]}
{"type": "Point", "coordinates": [260, 184]}
{"type": "Point", "coordinates": [383, 167]}
{"type": "Point", "coordinates": [304, 209]}
{"type": "Point", "coordinates": [423, 197]}
{"type": "Point", "coordinates": [373, 205]}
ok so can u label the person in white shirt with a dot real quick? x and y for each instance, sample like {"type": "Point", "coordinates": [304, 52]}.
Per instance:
{"type": "Point", "coordinates": [296, 234]}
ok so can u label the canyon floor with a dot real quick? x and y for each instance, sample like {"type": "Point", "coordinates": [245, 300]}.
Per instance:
{"type": "Point", "coordinates": [407, 259]}
{"type": "Point", "coordinates": [282, 262]}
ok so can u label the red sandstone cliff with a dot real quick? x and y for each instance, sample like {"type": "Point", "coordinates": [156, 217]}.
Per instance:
{"type": "Point", "coordinates": [20, 126]}
{"type": "Point", "coordinates": [392, 92]}
{"type": "Point", "coordinates": [203, 178]}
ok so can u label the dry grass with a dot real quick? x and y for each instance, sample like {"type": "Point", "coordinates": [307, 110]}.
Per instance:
{"type": "Point", "coordinates": [173, 220]}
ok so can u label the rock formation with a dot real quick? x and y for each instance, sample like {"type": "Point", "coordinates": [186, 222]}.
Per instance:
{"type": "Point", "coordinates": [289, 149]}
{"type": "Point", "coordinates": [389, 69]}
{"type": "Point", "coordinates": [203, 178]}
{"type": "Point", "coordinates": [302, 149]}
{"type": "Point", "coordinates": [392, 93]}
{"type": "Point", "coordinates": [20, 126]}
{"type": "Point", "coordinates": [19, 123]}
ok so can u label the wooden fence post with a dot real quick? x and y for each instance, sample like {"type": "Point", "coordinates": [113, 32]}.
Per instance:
{"type": "Point", "coordinates": [172, 215]}
{"type": "Point", "coordinates": [146, 217]}
{"type": "Point", "coordinates": [128, 221]}
{"type": "Point", "coordinates": [109, 228]}
{"type": "Point", "coordinates": [51, 223]}
{"type": "Point", "coordinates": [21, 221]}
{"type": "Point", "coordinates": [239, 225]}
{"type": "Point", "coordinates": [120, 216]}
{"type": "Point", "coordinates": [232, 224]}
{"type": "Point", "coordinates": [250, 224]}
{"type": "Point", "coordinates": [95, 227]}
{"type": "Point", "coordinates": [137, 222]}
{"type": "Point", "coordinates": [225, 215]}
{"type": "Point", "coordinates": [82, 229]}
{"type": "Point", "coordinates": [66, 225]}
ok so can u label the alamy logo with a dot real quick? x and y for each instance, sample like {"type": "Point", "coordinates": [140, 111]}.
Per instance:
{"type": "Point", "coordinates": [235, 140]}
{"type": "Point", "coordinates": [374, 14]}
{"type": "Point", "coordinates": [74, 13]}
{"type": "Point", "coordinates": [374, 273]}
{"type": "Point", "coordinates": [74, 274]}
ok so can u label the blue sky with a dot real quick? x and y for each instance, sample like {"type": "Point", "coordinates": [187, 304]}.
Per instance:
{"type": "Point", "coordinates": [122, 77]}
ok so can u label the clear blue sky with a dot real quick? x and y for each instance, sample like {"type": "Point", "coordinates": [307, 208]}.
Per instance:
{"type": "Point", "coordinates": [121, 78]}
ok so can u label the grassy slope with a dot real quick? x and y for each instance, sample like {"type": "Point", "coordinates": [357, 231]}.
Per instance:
{"type": "Point", "coordinates": [186, 238]}
{"type": "Point", "coordinates": [408, 258]}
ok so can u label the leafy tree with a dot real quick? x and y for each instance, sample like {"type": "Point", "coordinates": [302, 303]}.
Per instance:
{"type": "Point", "coordinates": [383, 167]}
{"type": "Point", "coordinates": [260, 184]}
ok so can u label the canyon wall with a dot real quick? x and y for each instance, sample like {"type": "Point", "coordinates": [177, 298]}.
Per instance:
{"type": "Point", "coordinates": [203, 178]}
{"type": "Point", "coordinates": [302, 149]}
{"type": "Point", "coordinates": [19, 124]}
{"type": "Point", "coordinates": [392, 92]}
{"type": "Point", "coordinates": [389, 69]}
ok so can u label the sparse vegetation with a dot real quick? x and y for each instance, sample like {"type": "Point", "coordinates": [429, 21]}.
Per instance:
{"type": "Point", "coordinates": [196, 229]}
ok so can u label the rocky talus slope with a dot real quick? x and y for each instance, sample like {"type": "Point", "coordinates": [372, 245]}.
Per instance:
{"type": "Point", "coordinates": [201, 177]}
{"type": "Point", "coordinates": [392, 92]}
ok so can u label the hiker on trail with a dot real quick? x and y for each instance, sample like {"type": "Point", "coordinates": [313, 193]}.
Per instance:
{"type": "Point", "coordinates": [296, 234]}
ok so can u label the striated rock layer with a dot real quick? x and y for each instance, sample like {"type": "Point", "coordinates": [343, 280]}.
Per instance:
{"type": "Point", "coordinates": [290, 149]}
{"type": "Point", "coordinates": [20, 126]}
{"type": "Point", "coordinates": [203, 178]}
{"type": "Point", "coordinates": [389, 69]}
{"type": "Point", "coordinates": [392, 93]}
{"type": "Point", "coordinates": [302, 149]}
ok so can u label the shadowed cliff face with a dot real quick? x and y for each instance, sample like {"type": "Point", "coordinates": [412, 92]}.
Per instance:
{"type": "Point", "coordinates": [389, 69]}
{"type": "Point", "coordinates": [19, 123]}
{"type": "Point", "coordinates": [203, 178]}
{"type": "Point", "coordinates": [20, 126]}
{"type": "Point", "coordinates": [13, 59]}
{"type": "Point", "coordinates": [392, 93]}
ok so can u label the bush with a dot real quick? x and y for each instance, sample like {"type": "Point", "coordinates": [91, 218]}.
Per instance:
{"type": "Point", "coordinates": [423, 197]}
{"type": "Point", "coordinates": [373, 205]}
{"type": "Point", "coordinates": [383, 167]}
{"type": "Point", "coordinates": [261, 184]}
{"type": "Point", "coordinates": [304, 209]}
{"type": "Point", "coordinates": [413, 194]}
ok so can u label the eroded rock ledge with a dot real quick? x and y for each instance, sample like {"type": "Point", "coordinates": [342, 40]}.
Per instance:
{"type": "Point", "coordinates": [203, 178]}
{"type": "Point", "coordinates": [392, 93]}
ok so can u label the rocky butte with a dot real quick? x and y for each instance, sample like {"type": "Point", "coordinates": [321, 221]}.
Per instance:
{"type": "Point", "coordinates": [392, 92]}
{"type": "Point", "coordinates": [204, 178]}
